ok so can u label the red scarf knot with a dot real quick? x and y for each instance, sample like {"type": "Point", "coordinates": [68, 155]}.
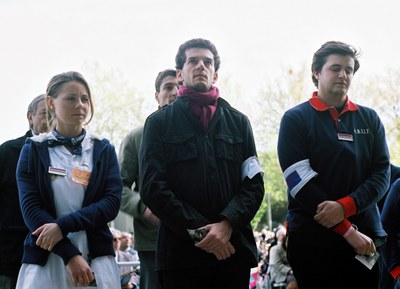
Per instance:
{"type": "Point", "coordinates": [202, 104]}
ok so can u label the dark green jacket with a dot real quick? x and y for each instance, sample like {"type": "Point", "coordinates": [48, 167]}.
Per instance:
{"type": "Point", "coordinates": [145, 235]}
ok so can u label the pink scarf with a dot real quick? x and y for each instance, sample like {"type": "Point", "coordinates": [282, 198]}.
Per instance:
{"type": "Point", "coordinates": [202, 104]}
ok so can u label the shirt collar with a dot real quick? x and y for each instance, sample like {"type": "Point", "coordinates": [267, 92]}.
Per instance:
{"type": "Point", "coordinates": [319, 105]}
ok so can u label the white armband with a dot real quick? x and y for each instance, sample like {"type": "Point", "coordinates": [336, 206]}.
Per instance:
{"type": "Point", "coordinates": [251, 167]}
{"type": "Point", "coordinates": [297, 175]}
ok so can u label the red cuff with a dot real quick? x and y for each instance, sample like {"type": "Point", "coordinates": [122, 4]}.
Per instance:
{"type": "Point", "coordinates": [342, 227]}
{"type": "Point", "coordinates": [349, 206]}
{"type": "Point", "coordinates": [395, 272]}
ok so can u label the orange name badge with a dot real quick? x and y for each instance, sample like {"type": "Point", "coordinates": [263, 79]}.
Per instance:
{"type": "Point", "coordinates": [80, 176]}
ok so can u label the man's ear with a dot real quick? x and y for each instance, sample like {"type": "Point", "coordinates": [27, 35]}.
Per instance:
{"type": "Point", "coordinates": [316, 74]}
{"type": "Point", "coordinates": [49, 102]}
{"type": "Point", "coordinates": [215, 78]}
{"type": "Point", "coordinates": [156, 96]}
{"type": "Point", "coordinates": [179, 75]}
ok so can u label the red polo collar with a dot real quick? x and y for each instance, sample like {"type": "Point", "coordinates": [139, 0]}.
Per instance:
{"type": "Point", "coordinates": [319, 105]}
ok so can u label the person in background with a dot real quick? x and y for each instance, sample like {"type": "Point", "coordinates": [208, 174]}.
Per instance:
{"type": "Point", "coordinates": [387, 281]}
{"type": "Point", "coordinates": [12, 227]}
{"type": "Point", "coordinates": [335, 160]}
{"type": "Point", "coordinates": [391, 224]}
{"type": "Point", "coordinates": [145, 223]}
{"type": "Point", "coordinates": [279, 267]}
{"type": "Point", "coordinates": [129, 278]}
{"type": "Point", "coordinates": [200, 175]}
{"type": "Point", "coordinates": [69, 188]}
{"type": "Point", "coordinates": [126, 245]}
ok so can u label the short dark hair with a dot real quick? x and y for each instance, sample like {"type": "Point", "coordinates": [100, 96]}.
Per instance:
{"type": "Point", "coordinates": [161, 76]}
{"type": "Point", "coordinates": [57, 81]}
{"type": "Point", "coordinates": [329, 48]}
{"type": "Point", "coordinates": [180, 58]}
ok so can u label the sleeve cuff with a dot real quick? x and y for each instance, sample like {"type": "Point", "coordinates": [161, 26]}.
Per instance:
{"type": "Point", "coordinates": [395, 272]}
{"type": "Point", "coordinates": [349, 206]}
{"type": "Point", "coordinates": [342, 227]}
{"type": "Point", "coordinates": [66, 250]}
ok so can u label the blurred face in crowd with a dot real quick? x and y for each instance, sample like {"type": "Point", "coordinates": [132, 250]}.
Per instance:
{"type": "Point", "coordinates": [37, 119]}
{"type": "Point", "coordinates": [117, 242]}
{"type": "Point", "coordinates": [126, 241]}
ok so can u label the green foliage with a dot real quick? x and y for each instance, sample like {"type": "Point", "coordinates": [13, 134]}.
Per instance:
{"type": "Point", "coordinates": [118, 106]}
{"type": "Point", "coordinates": [275, 192]}
{"type": "Point", "coordinates": [287, 90]}
{"type": "Point", "coordinates": [382, 93]}
{"type": "Point", "coordinates": [284, 92]}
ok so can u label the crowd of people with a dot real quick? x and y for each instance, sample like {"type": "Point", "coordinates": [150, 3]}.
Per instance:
{"type": "Point", "coordinates": [273, 270]}
{"type": "Point", "coordinates": [191, 179]}
{"type": "Point", "coordinates": [127, 259]}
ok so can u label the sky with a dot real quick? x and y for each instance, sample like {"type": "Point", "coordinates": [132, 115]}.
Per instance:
{"type": "Point", "coordinates": [256, 39]}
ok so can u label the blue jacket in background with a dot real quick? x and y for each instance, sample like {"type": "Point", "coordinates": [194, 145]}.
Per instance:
{"type": "Point", "coordinates": [391, 223]}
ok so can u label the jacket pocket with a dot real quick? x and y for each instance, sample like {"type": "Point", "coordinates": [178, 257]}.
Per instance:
{"type": "Point", "coordinates": [229, 147]}
{"type": "Point", "coordinates": [180, 148]}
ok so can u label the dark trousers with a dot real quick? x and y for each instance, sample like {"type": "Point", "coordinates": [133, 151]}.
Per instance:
{"type": "Point", "coordinates": [224, 275]}
{"type": "Point", "coordinates": [386, 280]}
{"type": "Point", "coordinates": [148, 275]}
{"type": "Point", "coordinates": [316, 267]}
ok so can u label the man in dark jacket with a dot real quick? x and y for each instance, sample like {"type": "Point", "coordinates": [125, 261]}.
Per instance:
{"type": "Point", "coordinates": [201, 177]}
{"type": "Point", "coordinates": [12, 228]}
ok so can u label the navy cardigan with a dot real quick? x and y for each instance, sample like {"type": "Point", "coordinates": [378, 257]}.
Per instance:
{"type": "Point", "coordinates": [100, 205]}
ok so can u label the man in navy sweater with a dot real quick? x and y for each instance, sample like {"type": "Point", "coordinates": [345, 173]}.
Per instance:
{"type": "Point", "coordinates": [335, 160]}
